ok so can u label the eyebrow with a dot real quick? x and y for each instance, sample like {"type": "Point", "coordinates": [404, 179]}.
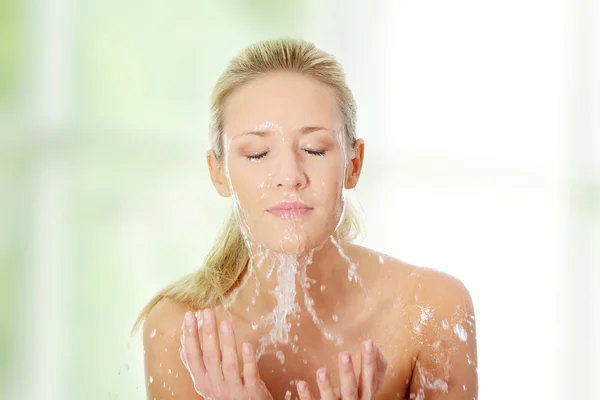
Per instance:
{"type": "Point", "coordinates": [303, 131]}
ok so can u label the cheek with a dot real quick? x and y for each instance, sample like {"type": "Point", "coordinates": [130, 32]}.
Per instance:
{"type": "Point", "coordinates": [327, 188]}
{"type": "Point", "coordinates": [326, 176]}
{"type": "Point", "coordinates": [249, 184]}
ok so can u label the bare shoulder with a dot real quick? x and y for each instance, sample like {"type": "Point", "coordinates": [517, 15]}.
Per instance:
{"type": "Point", "coordinates": [166, 375]}
{"type": "Point", "coordinates": [429, 285]}
{"type": "Point", "coordinates": [446, 366]}
{"type": "Point", "coordinates": [442, 290]}
{"type": "Point", "coordinates": [165, 318]}
{"type": "Point", "coordinates": [440, 313]}
{"type": "Point", "coordinates": [442, 296]}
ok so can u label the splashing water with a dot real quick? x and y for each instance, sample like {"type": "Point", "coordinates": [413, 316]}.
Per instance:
{"type": "Point", "coordinates": [460, 332]}
{"type": "Point", "coordinates": [286, 309]}
{"type": "Point", "coordinates": [428, 381]}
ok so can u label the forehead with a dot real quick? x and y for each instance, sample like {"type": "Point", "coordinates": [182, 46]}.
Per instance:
{"type": "Point", "coordinates": [288, 100]}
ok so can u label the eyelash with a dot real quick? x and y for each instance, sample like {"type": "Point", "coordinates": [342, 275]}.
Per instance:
{"type": "Point", "coordinates": [261, 155]}
{"type": "Point", "coordinates": [256, 156]}
{"type": "Point", "coordinates": [316, 153]}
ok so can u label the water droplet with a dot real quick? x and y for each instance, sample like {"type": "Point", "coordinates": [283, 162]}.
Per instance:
{"type": "Point", "coordinates": [153, 333]}
{"type": "Point", "coordinates": [445, 325]}
{"type": "Point", "coordinates": [381, 259]}
{"type": "Point", "coordinates": [151, 379]}
{"type": "Point", "coordinates": [440, 385]}
{"type": "Point", "coordinates": [464, 388]}
{"type": "Point", "coordinates": [322, 288]}
{"type": "Point", "coordinates": [280, 356]}
{"type": "Point", "coordinates": [169, 371]}
{"type": "Point", "coordinates": [160, 365]}
{"type": "Point", "coordinates": [426, 314]}
{"type": "Point", "coordinates": [334, 317]}
{"type": "Point", "coordinates": [288, 395]}
{"type": "Point", "coordinates": [254, 325]}
{"type": "Point", "coordinates": [460, 332]}
{"type": "Point", "coordinates": [417, 328]}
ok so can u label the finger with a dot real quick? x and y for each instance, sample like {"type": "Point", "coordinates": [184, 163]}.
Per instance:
{"type": "Point", "coordinates": [231, 366]}
{"type": "Point", "coordinates": [304, 392]}
{"type": "Point", "coordinates": [252, 382]}
{"type": "Point", "coordinates": [348, 385]}
{"type": "Point", "coordinates": [324, 384]}
{"type": "Point", "coordinates": [366, 389]}
{"type": "Point", "coordinates": [191, 353]}
{"type": "Point", "coordinates": [212, 350]}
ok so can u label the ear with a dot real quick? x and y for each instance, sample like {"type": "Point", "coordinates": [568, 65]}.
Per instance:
{"type": "Point", "coordinates": [355, 165]}
{"type": "Point", "coordinates": [217, 173]}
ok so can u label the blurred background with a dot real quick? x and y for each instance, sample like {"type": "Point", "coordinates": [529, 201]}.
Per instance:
{"type": "Point", "coordinates": [482, 129]}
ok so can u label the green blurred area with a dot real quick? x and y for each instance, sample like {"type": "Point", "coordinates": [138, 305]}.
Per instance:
{"type": "Point", "coordinates": [13, 165]}
{"type": "Point", "coordinates": [11, 46]}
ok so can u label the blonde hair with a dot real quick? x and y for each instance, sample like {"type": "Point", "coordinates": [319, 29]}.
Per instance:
{"type": "Point", "coordinates": [227, 260]}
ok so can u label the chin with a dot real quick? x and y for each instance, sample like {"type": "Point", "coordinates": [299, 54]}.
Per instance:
{"type": "Point", "coordinates": [296, 243]}
{"type": "Point", "coordinates": [289, 244]}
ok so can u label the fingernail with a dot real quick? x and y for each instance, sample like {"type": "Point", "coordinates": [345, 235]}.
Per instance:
{"type": "Point", "coordinates": [323, 376]}
{"type": "Point", "coordinates": [302, 387]}
{"type": "Point", "coordinates": [345, 358]}
{"type": "Point", "coordinates": [369, 346]}
{"type": "Point", "coordinates": [207, 317]}
{"type": "Point", "coordinates": [225, 328]}
{"type": "Point", "coordinates": [247, 349]}
{"type": "Point", "coordinates": [189, 318]}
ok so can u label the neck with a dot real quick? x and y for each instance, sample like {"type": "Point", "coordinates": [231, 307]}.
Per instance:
{"type": "Point", "coordinates": [311, 271]}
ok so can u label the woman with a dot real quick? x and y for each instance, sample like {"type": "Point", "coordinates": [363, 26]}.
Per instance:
{"type": "Point", "coordinates": [313, 313]}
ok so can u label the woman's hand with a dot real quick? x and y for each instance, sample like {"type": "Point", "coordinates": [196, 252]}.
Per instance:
{"type": "Point", "coordinates": [214, 365]}
{"type": "Point", "coordinates": [370, 379]}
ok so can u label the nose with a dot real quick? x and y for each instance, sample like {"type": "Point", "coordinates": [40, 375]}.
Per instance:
{"type": "Point", "coordinates": [289, 172]}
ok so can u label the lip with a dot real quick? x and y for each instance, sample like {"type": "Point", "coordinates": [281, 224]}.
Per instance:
{"type": "Point", "coordinates": [288, 210]}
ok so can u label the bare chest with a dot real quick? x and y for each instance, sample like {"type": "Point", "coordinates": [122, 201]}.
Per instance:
{"type": "Point", "coordinates": [312, 347]}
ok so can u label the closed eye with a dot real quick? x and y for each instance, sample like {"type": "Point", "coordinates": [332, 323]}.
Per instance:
{"type": "Point", "coordinates": [261, 155]}
{"type": "Point", "coordinates": [257, 156]}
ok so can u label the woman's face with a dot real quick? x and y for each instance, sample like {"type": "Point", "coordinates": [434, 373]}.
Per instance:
{"type": "Point", "coordinates": [284, 162]}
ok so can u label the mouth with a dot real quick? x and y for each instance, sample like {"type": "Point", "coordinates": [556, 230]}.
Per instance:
{"type": "Point", "coordinates": [289, 210]}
